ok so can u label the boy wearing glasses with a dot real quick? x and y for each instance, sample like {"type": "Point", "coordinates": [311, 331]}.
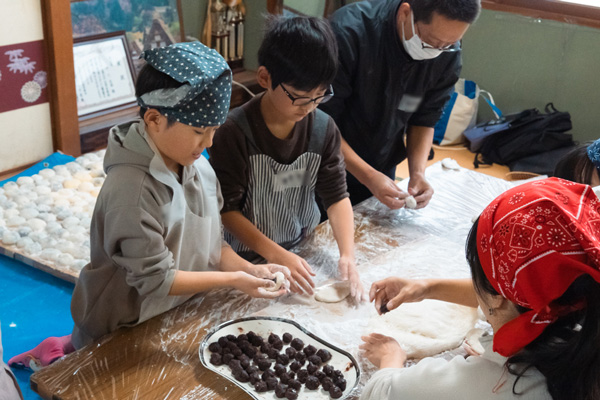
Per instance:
{"type": "Point", "coordinates": [276, 151]}
{"type": "Point", "coordinates": [399, 61]}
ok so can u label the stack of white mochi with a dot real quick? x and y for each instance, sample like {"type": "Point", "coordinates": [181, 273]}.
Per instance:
{"type": "Point", "coordinates": [46, 217]}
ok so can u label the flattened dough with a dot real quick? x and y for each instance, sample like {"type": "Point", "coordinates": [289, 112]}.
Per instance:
{"type": "Point", "coordinates": [332, 293]}
{"type": "Point", "coordinates": [426, 328]}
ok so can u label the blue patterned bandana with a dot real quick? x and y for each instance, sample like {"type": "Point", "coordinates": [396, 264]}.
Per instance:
{"type": "Point", "coordinates": [593, 152]}
{"type": "Point", "coordinates": [204, 99]}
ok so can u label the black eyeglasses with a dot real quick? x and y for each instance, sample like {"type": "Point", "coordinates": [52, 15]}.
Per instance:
{"type": "Point", "coordinates": [304, 101]}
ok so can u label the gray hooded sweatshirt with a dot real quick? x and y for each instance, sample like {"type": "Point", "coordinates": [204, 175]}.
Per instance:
{"type": "Point", "coordinates": [146, 226]}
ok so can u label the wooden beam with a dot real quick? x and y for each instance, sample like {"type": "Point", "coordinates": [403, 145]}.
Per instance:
{"type": "Point", "coordinates": [275, 6]}
{"type": "Point", "coordinates": [58, 36]}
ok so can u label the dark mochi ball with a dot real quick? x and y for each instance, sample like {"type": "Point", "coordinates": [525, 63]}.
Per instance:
{"type": "Point", "coordinates": [335, 392]}
{"type": "Point", "coordinates": [328, 369]}
{"type": "Point", "coordinates": [241, 376]}
{"type": "Point", "coordinates": [284, 378]}
{"type": "Point", "coordinates": [278, 345]}
{"type": "Point", "coordinates": [222, 341]}
{"type": "Point", "coordinates": [227, 357]}
{"type": "Point", "coordinates": [261, 386]}
{"type": "Point", "coordinates": [320, 375]}
{"type": "Point", "coordinates": [244, 361]}
{"type": "Point", "coordinates": [279, 369]}
{"type": "Point", "coordinates": [271, 382]}
{"type": "Point", "coordinates": [300, 357]}
{"type": "Point", "coordinates": [327, 383]}
{"type": "Point", "coordinates": [252, 369]}
{"type": "Point", "coordinates": [226, 350]}
{"type": "Point", "coordinates": [216, 359]}
{"type": "Point", "coordinates": [315, 360]}
{"type": "Point", "coordinates": [337, 374]}
{"type": "Point", "coordinates": [250, 334]}
{"type": "Point", "coordinates": [237, 352]}
{"type": "Point", "coordinates": [290, 351]}
{"type": "Point", "coordinates": [283, 359]}
{"type": "Point", "coordinates": [256, 340]}
{"type": "Point", "coordinates": [254, 377]}
{"type": "Point", "coordinates": [312, 383]}
{"type": "Point", "coordinates": [302, 375]}
{"type": "Point", "coordinates": [291, 394]}
{"type": "Point", "coordinates": [341, 383]}
{"type": "Point", "coordinates": [231, 338]}
{"type": "Point", "coordinates": [265, 348]}
{"type": "Point", "coordinates": [259, 357]}
{"type": "Point", "coordinates": [297, 344]}
{"type": "Point", "coordinates": [325, 355]}
{"type": "Point", "coordinates": [268, 374]}
{"type": "Point", "coordinates": [231, 346]}
{"type": "Point", "coordinates": [250, 351]}
{"type": "Point", "coordinates": [287, 337]}
{"type": "Point", "coordinates": [295, 366]}
{"type": "Point", "coordinates": [273, 353]}
{"type": "Point", "coordinates": [242, 337]}
{"type": "Point", "coordinates": [280, 391]}
{"type": "Point", "coordinates": [235, 364]}
{"type": "Point", "coordinates": [215, 347]}
{"type": "Point", "coordinates": [312, 368]}
{"type": "Point", "coordinates": [274, 338]}
{"type": "Point", "coordinates": [310, 350]}
{"type": "Point", "coordinates": [263, 365]}
{"type": "Point", "coordinates": [293, 383]}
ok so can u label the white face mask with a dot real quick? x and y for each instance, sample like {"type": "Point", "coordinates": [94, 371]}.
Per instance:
{"type": "Point", "coordinates": [414, 46]}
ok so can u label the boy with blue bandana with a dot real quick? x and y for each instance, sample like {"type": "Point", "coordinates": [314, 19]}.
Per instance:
{"type": "Point", "coordinates": [156, 236]}
{"type": "Point", "coordinates": [277, 151]}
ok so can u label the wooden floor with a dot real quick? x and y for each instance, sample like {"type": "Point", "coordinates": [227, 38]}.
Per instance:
{"type": "Point", "coordinates": [464, 157]}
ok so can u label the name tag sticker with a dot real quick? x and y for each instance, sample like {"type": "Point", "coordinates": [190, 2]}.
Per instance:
{"type": "Point", "coordinates": [409, 103]}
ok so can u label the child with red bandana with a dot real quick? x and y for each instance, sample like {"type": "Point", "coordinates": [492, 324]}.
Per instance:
{"type": "Point", "coordinates": [534, 255]}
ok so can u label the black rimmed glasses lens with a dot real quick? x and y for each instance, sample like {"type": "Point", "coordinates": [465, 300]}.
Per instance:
{"type": "Point", "coordinates": [303, 101]}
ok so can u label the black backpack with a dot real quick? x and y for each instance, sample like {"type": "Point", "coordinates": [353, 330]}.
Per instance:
{"type": "Point", "coordinates": [529, 132]}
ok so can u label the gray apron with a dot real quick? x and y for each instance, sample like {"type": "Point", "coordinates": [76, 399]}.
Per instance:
{"type": "Point", "coordinates": [280, 200]}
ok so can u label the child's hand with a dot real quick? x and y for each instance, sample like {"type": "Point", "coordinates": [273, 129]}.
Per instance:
{"type": "Point", "coordinates": [394, 291]}
{"type": "Point", "coordinates": [300, 279]}
{"type": "Point", "coordinates": [267, 271]}
{"type": "Point", "coordinates": [347, 270]}
{"type": "Point", "coordinates": [383, 351]}
{"type": "Point", "coordinates": [256, 287]}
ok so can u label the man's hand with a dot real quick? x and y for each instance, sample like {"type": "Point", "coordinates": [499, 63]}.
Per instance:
{"type": "Point", "coordinates": [300, 272]}
{"type": "Point", "coordinates": [421, 190]}
{"type": "Point", "coordinates": [385, 190]}
{"type": "Point", "coordinates": [347, 270]}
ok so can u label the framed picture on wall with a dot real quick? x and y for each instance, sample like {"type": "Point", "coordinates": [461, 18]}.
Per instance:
{"type": "Point", "coordinates": [104, 74]}
{"type": "Point", "coordinates": [147, 23]}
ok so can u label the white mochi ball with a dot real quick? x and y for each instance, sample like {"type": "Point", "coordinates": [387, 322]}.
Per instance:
{"type": "Point", "coordinates": [50, 254]}
{"type": "Point", "coordinates": [43, 190]}
{"type": "Point", "coordinates": [48, 217]}
{"type": "Point", "coordinates": [32, 248]}
{"type": "Point", "coordinates": [70, 221]}
{"type": "Point", "coordinates": [48, 242]}
{"type": "Point", "coordinates": [62, 171]}
{"type": "Point", "coordinates": [22, 200]}
{"type": "Point", "coordinates": [36, 224]}
{"type": "Point", "coordinates": [62, 202]}
{"type": "Point", "coordinates": [65, 259]}
{"type": "Point", "coordinates": [29, 212]}
{"type": "Point", "coordinates": [15, 221]}
{"type": "Point", "coordinates": [24, 230]}
{"type": "Point", "coordinates": [76, 230]}
{"type": "Point", "coordinates": [24, 241]}
{"type": "Point", "coordinates": [47, 173]}
{"type": "Point", "coordinates": [73, 167]}
{"type": "Point", "coordinates": [25, 180]}
{"type": "Point", "coordinates": [83, 176]}
{"type": "Point", "coordinates": [10, 237]}
{"type": "Point", "coordinates": [38, 179]}
{"type": "Point", "coordinates": [10, 213]}
{"type": "Point", "coordinates": [71, 184]}
{"type": "Point", "coordinates": [86, 187]}
{"type": "Point", "coordinates": [44, 201]}
{"type": "Point", "coordinates": [95, 192]}
{"type": "Point", "coordinates": [78, 264]}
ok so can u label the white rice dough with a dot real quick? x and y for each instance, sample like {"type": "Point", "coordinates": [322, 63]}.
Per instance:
{"type": "Point", "coordinates": [333, 292]}
{"type": "Point", "coordinates": [279, 281]}
{"type": "Point", "coordinates": [410, 202]}
{"type": "Point", "coordinates": [427, 327]}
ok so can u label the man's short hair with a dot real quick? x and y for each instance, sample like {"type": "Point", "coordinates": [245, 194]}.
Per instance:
{"type": "Point", "coordinates": [457, 10]}
{"type": "Point", "coordinates": [151, 79]}
{"type": "Point", "coordinates": [300, 51]}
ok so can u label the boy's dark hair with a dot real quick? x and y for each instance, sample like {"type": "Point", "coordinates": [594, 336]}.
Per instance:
{"type": "Point", "coordinates": [573, 340]}
{"type": "Point", "coordinates": [299, 51]}
{"type": "Point", "coordinates": [457, 10]}
{"type": "Point", "coordinates": [151, 79]}
{"type": "Point", "coordinates": [576, 166]}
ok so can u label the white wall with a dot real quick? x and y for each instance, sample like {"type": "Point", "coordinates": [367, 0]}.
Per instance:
{"type": "Point", "coordinates": [26, 133]}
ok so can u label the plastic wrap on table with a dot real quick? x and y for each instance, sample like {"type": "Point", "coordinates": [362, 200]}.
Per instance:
{"type": "Point", "coordinates": [159, 358]}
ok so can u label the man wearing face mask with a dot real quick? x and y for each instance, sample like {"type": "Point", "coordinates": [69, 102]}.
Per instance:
{"type": "Point", "coordinates": [399, 61]}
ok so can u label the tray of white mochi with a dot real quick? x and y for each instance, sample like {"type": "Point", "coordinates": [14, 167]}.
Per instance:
{"type": "Point", "coordinates": [45, 218]}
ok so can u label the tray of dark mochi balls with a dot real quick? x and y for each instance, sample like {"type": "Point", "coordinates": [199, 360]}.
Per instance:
{"type": "Point", "coordinates": [275, 358]}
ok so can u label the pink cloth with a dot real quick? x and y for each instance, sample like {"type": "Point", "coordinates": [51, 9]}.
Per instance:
{"type": "Point", "coordinates": [44, 354]}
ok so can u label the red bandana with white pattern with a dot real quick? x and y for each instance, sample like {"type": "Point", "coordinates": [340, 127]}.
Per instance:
{"type": "Point", "coordinates": [533, 241]}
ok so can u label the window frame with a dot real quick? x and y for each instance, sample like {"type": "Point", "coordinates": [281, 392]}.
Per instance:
{"type": "Point", "coordinates": [549, 9]}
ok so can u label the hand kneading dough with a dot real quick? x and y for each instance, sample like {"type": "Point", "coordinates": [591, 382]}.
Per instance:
{"type": "Point", "coordinates": [425, 328]}
{"type": "Point", "coordinates": [332, 293]}
{"type": "Point", "coordinates": [279, 280]}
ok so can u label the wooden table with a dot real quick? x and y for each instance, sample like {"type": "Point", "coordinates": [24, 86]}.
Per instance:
{"type": "Point", "coordinates": [158, 359]}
